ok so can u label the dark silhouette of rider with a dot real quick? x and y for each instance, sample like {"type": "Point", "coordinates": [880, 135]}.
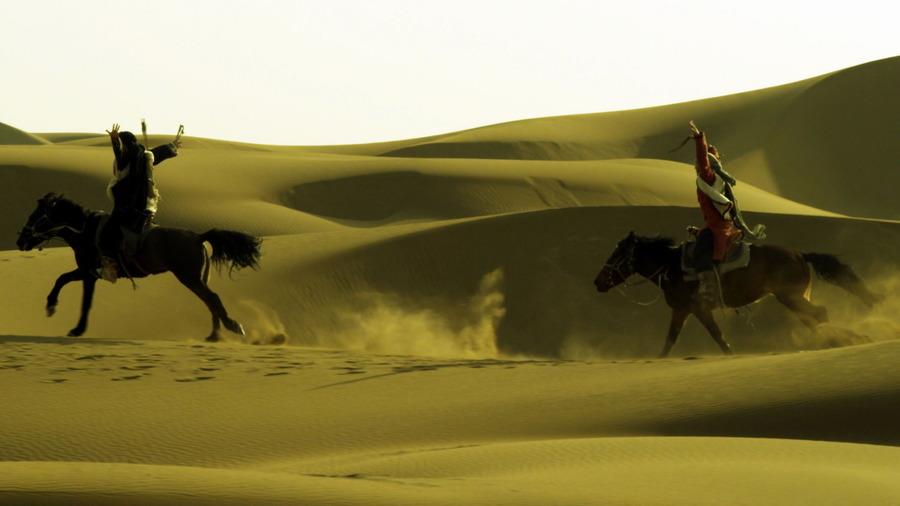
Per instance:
{"type": "Point", "coordinates": [133, 192]}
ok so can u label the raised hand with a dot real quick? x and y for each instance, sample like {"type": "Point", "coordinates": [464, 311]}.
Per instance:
{"type": "Point", "coordinates": [114, 133]}
{"type": "Point", "coordinates": [694, 130]}
{"type": "Point", "coordinates": [177, 141]}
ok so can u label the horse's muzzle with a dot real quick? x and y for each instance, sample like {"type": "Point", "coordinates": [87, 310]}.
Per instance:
{"type": "Point", "coordinates": [23, 243]}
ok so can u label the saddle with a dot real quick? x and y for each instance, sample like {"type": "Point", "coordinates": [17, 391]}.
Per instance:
{"type": "Point", "coordinates": [130, 244]}
{"type": "Point", "coordinates": [738, 257]}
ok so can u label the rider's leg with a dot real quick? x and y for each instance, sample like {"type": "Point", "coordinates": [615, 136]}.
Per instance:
{"type": "Point", "coordinates": [708, 289]}
{"type": "Point", "coordinates": [703, 251]}
{"type": "Point", "coordinates": [110, 239]}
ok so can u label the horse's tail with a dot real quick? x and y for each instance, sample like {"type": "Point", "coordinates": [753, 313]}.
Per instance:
{"type": "Point", "coordinates": [242, 250]}
{"type": "Point", "coordinates": [832, 270]}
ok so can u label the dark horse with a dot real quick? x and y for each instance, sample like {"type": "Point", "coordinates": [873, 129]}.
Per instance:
{"type": "Point", "coordinates": [772, 270]}
{"type": "Point", "coordinates": [163, 249]}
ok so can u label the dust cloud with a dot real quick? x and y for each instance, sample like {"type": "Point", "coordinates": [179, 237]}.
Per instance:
{"type": "Point", "coordinates": [387, 324]}
{"type": "Point", "coordinates": [852, 323]}
{"type": "Point", "coordinates": [263, 325]}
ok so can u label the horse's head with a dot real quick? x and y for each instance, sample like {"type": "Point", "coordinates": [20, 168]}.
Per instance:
{"type": "Point", "coordinates": [619, 266]}
{"type": "Point", "coordinates": [43, 222]}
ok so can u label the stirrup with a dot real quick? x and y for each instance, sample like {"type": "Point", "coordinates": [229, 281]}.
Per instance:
{"type": "Point", "coordinates": [709, 292]}
{"type": "Point", "coordinates": [108, 270]}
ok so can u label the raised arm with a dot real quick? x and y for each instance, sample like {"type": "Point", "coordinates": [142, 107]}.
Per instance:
{"type": "Point", "coordinates": [164, 152]}
{"type": "Point", "coordinates": [170, 150]}
{"type": "Point", "coordinates": [704, 170]}
{"type": "Point", "coordinates": [114, 140]}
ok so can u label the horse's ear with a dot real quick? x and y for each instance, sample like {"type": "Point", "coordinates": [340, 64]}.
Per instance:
{"type": "Point", "coordinates": [631, 234]}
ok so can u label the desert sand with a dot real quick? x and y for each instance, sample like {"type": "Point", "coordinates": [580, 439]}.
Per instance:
{"type": "Point", "coordinates": [424, 328]}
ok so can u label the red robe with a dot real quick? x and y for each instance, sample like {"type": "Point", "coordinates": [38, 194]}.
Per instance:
{"type": "Point", "coordinates": [723, 230]}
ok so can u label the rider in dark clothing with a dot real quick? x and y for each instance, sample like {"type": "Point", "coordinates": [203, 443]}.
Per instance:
{"type": "Point", "coordinates": [133, 192]}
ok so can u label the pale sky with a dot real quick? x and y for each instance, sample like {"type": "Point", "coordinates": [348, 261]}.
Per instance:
{"type": "Point", "coordinates": [341, 71]}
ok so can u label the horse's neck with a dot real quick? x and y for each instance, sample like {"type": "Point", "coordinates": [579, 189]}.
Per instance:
{"type": "Point", "coordinates": [658, 265]}
{"type": "Point", "coordinates": [73, 239]}
{"type": "Point", "coordinates": [77, 231]}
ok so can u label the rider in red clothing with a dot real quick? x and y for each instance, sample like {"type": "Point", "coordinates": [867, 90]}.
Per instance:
{"type": "Point", "coordinates": [714, 204]}
{"type": "Point", "coordinates": [717, 237]}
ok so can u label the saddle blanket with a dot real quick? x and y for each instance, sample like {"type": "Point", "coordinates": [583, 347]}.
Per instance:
{"type": "Point", "coordinates": [737, 258]}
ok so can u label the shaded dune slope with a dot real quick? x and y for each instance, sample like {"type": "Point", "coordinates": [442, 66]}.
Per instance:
{"type": "Point", "coordinates": [446, 189]}
{"type": "Point", "coordinates": [302, 192]}
{"type": "Point", "coordinates": [549, 260]}
{"type": "Point", "coordinates": [13, 136]}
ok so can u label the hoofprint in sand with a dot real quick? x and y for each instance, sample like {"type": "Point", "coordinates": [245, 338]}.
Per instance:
{"type": "Point", "coordinates": [112, 421]}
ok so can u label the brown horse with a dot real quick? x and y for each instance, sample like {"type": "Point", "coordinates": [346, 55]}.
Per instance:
{"type": "Point", "coordinates": [772, 270]}
{"type": "Point", "coordinates": [163, 249]}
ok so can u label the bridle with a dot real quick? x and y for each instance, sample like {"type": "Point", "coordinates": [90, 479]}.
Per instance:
{"type": "Point", "coordinates": [45, 235]}
{"type": "Point", "coordinates": [628, 262]}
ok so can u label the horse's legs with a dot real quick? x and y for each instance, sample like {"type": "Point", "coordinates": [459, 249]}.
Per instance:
{"type": "Point", "coordinates": [213, 302]}
{"type": "Point", "coordinates": [206, 264]}
{"type": "Point", "coordinates": [675, 326]}
{"type": "Point", "coordinates": [706, 318]}
{"type": "Point", "coordinates": [61, 281]}
{"type": "Point", "coordinates": [87, 297]}
{"type": "Point", "coordinates": [204, 278]}
{"type": "Point", "coordinates": [810, 314]}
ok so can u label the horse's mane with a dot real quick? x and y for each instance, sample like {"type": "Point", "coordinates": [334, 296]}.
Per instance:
{"type": "Point", "coordinates": [656, 243]}
{"type": "Point", "coordinates": [68, 205]}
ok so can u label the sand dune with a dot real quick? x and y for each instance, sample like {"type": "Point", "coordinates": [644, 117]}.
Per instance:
{"type": "Point", "coordinates": [314, 192]}
{"type": "Point", "coordinates": [331, 426]}
{"type": "Point", "coordinates": [14, 136]}
{"type": "Point", "coordinates": [594, 471]}
{"type": "Point", "coordinates": [444, 341]}
{"type": "Point", "coordinates": [825, 141]}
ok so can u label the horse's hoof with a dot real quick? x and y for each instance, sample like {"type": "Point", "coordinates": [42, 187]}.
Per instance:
{"type": "Point", "coordinates": [235, 327]}
{"type": "Point", "coordinates": [212, 338]}
{"type": "Point", "coordinates": [51, 310]}
{"type": "Point", "coordinates": [76, 332]}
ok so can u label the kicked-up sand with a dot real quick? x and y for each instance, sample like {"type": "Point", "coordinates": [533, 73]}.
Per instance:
{"type": "Point", "coordinates": [424, 328]}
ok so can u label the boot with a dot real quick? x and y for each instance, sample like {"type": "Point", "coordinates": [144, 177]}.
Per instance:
{"type": "Point", "coordinates": [708, 292]}
{"type": "Point", "coordinates": [108, 270]}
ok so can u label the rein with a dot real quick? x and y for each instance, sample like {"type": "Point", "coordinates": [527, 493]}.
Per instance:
{"type": "Point", "coordinates": [685, 141]}
{"type": "Point", "coordinates": [51, 232]}
{"type": "Point", "coordinates": [624, 285]}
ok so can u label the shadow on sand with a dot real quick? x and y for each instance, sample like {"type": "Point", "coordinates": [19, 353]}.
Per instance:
{"type": "Point", "coordinates": [65, 340]}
